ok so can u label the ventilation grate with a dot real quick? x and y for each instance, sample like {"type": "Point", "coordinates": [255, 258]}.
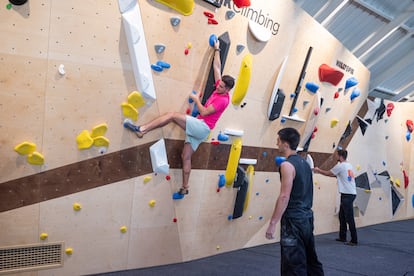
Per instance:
{"type": "Point", "coordinates": [30, 257]}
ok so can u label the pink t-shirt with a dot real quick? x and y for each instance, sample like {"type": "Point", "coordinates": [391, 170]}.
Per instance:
{"type": "Point", "coordinates": [219, 102]}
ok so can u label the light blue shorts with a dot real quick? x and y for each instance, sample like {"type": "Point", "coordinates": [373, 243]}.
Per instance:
{"type": "Point", "coordinates": [196, 131]}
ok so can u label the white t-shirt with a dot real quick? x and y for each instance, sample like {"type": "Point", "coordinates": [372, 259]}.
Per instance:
{"type": "Point", "coordinates": [345, 175]}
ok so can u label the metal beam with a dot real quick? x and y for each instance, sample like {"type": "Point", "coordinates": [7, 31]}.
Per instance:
{"type": "Point", "coordinates": [407, 90]}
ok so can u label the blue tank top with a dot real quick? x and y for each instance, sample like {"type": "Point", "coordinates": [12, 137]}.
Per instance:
{"type": "Point", "coordinates": [301, 196]}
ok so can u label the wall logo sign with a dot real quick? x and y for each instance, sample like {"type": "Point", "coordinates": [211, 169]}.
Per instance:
{"type": "Point", "coordinates": [257, 16]}
{"type": "Point", "coordinates": [345, 67]}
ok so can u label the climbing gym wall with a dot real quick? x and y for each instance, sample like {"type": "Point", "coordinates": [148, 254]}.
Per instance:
{"type": "Point", "coordinates": [72, 175]}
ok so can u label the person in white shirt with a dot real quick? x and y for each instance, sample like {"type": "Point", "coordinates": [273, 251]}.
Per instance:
{"type": "Point", "coordinates": [343, 172]}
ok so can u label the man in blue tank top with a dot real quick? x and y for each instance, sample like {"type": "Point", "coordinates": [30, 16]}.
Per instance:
{"type": "Point", "coordinates": [294, 210]}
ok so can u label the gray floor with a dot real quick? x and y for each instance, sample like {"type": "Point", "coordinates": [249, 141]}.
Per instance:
{"type": "Point", "coordinates": [383, 249]}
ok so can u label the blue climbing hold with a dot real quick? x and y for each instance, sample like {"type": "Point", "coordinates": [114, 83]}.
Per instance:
{"type": "Point", "coordinates": [163, 64]}
{"type": "Point", "coordinates": [408, 135]}
{"type": "Point", "coordinates": [279, 160]}
{"type": "Point", "coordinates": [222, 137]}
{"type": "Point", "coordinates": [191, 100]}
{"type": "Point", "coordinates": [177, 195]}
{"type": "Point", "coordinates": [222, 181]}
{"type": "Point", "coordinates": [212, 40]}
{"type": "Point", "coordinates": [355, 93]}
{"type": "Point", "coordinates": [156, 67]}
{"type": "Point", "coordinates": [230, 217]}
{"type": "Point", "coordinates": [312, 87]}
{"type": "Point", "coordinates": [352, 81]}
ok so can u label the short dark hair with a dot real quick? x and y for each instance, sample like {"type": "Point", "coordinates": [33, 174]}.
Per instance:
{"type": "Point", "coordinates": [291, 136]}
{"type": "Point", "coordinates": [228, 81]}
{"type": "Point", "coordinates": [343, 153]}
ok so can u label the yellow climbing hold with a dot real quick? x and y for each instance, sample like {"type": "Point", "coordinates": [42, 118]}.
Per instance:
{"type": "Point", "coordinates": [182, 6]}
{"type": "Point", "coordinates": [147, 179]}
{"type": "Point", "coordinates": [129, 111]}
{"type": "Point", "coordinates": [123, 229]}
{"type": "Point", "coordinates": [334, 122]}
{"type": "Point", "coordinates": [358, 167]}
{"type": "Point", "coordinates": [43, 236]}
{"type": "Point", "coordinates": [398, 182]}
{"type": "Point", "coordinates": [77, 206]}
{"type": "Point", "coordinates": [101, 141]}
{"type": "Point", "coordinates": [136, 99]}
{"type": "Point", "coordinates": [151, 203]}
{"type": "Point", "coordinates": [99, 130]}
{"type": "Point", "coordinates": [84, 140]}
{"type": "Point", "coordinates": [69, 251]}
{"type": "Point", "coordinates": [25, 148]}
{"type": "Point", "coordinates": [35, 158]}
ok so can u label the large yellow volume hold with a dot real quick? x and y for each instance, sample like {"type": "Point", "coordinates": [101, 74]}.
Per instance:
{"type": "Point", "coordinates": [182, 6]}
{"type": "Point", "coordinates": [99, 130]}
{"type": "Point", "coordinates": [233, 161]}
{"type": "Point", "coordinates": [243, 80]}
{"type": "Point", "coordinates": [129, 111]}
{"type": "Point", "coordinates": [84, 140]}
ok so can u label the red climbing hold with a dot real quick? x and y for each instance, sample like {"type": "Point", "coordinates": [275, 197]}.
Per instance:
{"type": "Point", "coordinates": [215, 142]}
{"type": "Point", "coordinates": [336, 95]}
{"type": "Point", "coordinates": [186, 51]}
{"type": "Point", "coordinates": [241, 3]}
{"type": "Point", "coordinates": [212, 21]}
{"type": "Point", "coordinates": [390, 108]}
{"type": "Point", "coordinates": [168, 177]}
{"type": "Point", "coordinates": [208, 14]}
{"type": "Point", "coordinates": [410, 125]}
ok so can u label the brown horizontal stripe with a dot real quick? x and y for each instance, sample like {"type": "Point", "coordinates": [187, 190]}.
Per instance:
{"type": "Point", "coordinates": [122, 165]}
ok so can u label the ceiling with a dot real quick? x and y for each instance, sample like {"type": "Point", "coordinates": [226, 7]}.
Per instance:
{"type": "Point", "coordinates": [380, 33]}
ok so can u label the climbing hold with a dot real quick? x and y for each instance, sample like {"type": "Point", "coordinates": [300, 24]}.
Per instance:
{"type": "Point", "coordinates": [186, 51]}
{"type": "Point", "coordinates": [222, 137]}
{"type": "Point", "coordinates": [230, 14]}
{"type": "Point", "coordinates": [329, 74]}
{"type": "Point", "coordinates": [35, 158]}
{"type": "Point", "coordinates": [168, 177]}
{"type": "Point", "coordinates": [76, 206]}
{"type": "Point", "coordinates": [217, 247]}
{"type": "Point", "coordinates": [390, 108]}
{"type": "Point", "coordinates": [215, 142]}
{"type": "Point", "coordinates": [229, 217]}
{"type": "Point", "coordinates": [159, 48]}
{"type": "Point", "coordinates": [151, 203]}
{"type": "Point", "coordinates": [397, 182]}
{"type": "Point", "coordinates": [358, 167]}
{"type": "Point", "coordinates": [177, 196]}
{"type": "Point", "coordinates": [84, 140]}
{"type": "Point", "coordinates": [25, 148]}
{"type": "Point", "coordinates": [163, 64]}
{"type": "Point", "coordinates": [305, 103]}
{"type": "Point", "coordinates": [327, 109]}
{"type": "Point", "coordinates": [175, 21]}
{"type": "Point", "coordinates": [212, 21]}
{"type": "Point", "coordinates": [257, 193]}
{"type": "Point", "coordinates": [295, 110]}
{"type": "Point", "coordinates": [156, 67]}
{"type": "Point", "coordinates": [61, 69]}
{"type": "Point", "coordinates": [355, 93]}
{"type": "Point", "coordinates": [264, 154]}
{"type": "Point", "coordinates": [102, 150]}
{"type": "Point", "coordinates": [222, 181]}
{"type": "Point", "coordinates": [189, 98]}
{"type": "Point", "coordinates": [69, 251]}
{"type": "Point", "coordinates": [43, 236]}
{"type": "Point", "coordinates": [352, 81]}
{"type": "Point", "coordinates": [184, 7]}
{"type": "Point", "coordinates": [147, 178]}
{"type": "Point", "coordinates": [292, 95]}
{"type": "Point", "coordinates": [123, 229]}
{"type": "Point", "coordinates": [408, 135]}
{"type": "Point", "coordinates": [174, 219]}
{"type": "Point", "coordinates": [334, 122]}
{"type": "Point", "coordinates": [208, 14]}
{"type": "Point", "coordinates": [241, 3]}
{"type": "Point", "coordinates": [410, 125]}
{"type": "Point", "coordinates": [406, 179]}
{"type": "Point", "coordinates": [336, 95]}
{"type": "Point", "coordinates": [101, 141]}
{"type": "Point", "coordinates": [283, 120]}
{"type": "Point", "coordinates": [136, 99]}
{"type": "Point", "coordinates": [312, 87]}
{"type": "Point", "coordinates": [279, 160]}
{"type": "Point", "coordinates": [243, 80]}
{"type": "Point", "coordinates": [239, 48]}
{"type": "Point", "coordinates": [261, 217]}
{"type": "Point", "coordinates": [9, 6]}
{"type": "Point", "coordinates": [316, 111]}
{"type": "Point", "coordinates": [383, 163]}
{"type": "Point", "coordinates": [99, 130]}
{"type": "Point", "coordinates": [129, 111]}
{"type": "Point", "coordinates": [212, 40]}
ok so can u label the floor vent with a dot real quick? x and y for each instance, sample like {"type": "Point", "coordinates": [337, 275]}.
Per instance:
{"type": "Point", "coordinates": [30, 257]}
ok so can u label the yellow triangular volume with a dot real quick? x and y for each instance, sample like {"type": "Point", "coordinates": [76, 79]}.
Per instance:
{"type": "Point", "coordinates": [84, 140]}
{"type": "Point", "coordinates": [100, 141]}
{"type": "Point", "coordinates": [35, 158]}
{"type": "Point", "coordinates": [129, 111]}
{"type": "Point", "coordinates": [99, 130]}
{"type": "Point", "coordinates": [25, 148]}
{"type": "Point", "coordinates": [136, 99]}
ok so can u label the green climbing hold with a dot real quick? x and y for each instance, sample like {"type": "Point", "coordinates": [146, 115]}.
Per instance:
{"type": "Point", "coordinates": [9, 6]}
